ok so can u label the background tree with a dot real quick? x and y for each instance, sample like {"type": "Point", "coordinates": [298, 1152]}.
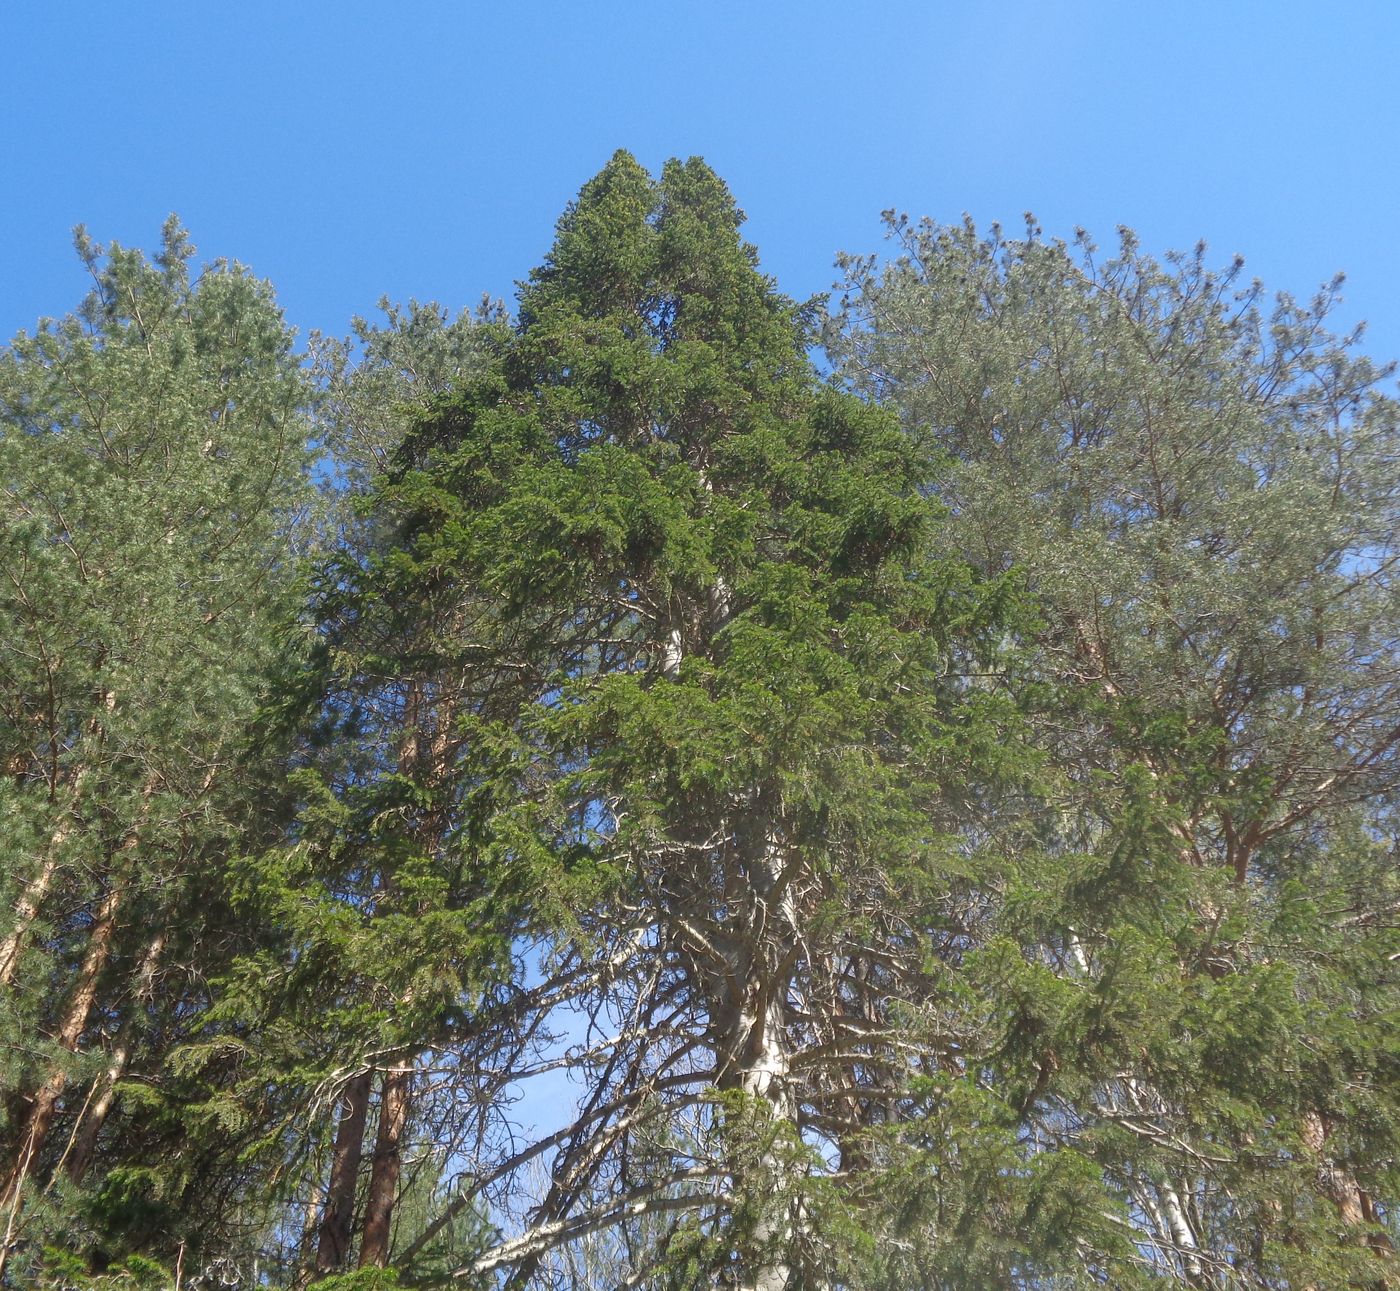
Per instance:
{"type": "Point", "coordinates": [1202, 492]}
{"type": "Point", "coordinates": [391, 937]}
{"type": "Point", "coordinates": [152, 463]}
{"type": "Point", "coordinates": [377, 382]}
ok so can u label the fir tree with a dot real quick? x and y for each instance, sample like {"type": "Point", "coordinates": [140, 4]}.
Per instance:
{"type": "Point", "coordinates": [741, 731]}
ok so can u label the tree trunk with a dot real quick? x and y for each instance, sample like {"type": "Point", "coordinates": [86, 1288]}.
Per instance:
{"type": "Point", "coordinates": [44, 1105]}
{"type": "Point", "coordinates": [104, 1090]}
{"type": "Point", "coordinates": [1354, 1204]}
{"type": "Point", "coordinates": [338, 1213]}
{"type": "Point", "coordinates": [388, 1162]}
{"type": "Point", "coordinates": [27, 910]}
{"type": "Point", "coordinates": [28, 906]}
{"type": "Point", "coordinates": [32, 899]}
{"type": "Point", "coordinates": [765, 1078]}
{"type": "Point", "coordinates": [45, 1102]}
{"type": "Point", "coordinates": [423, 758]}
{"type": "Point", "coordinates": [756, 1055]}
{"type": "Point", "coordinates": [1183, 1234]}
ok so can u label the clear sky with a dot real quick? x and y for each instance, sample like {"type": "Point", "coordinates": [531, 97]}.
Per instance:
{"type": "Point", "coordinates": [424, 148]}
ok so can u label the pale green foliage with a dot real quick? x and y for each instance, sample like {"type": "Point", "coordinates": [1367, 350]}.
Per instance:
{"type": "Point", "coordinates": [1197, 978]}
{"type": "Point", "coordinates": [153, 463]}
{"type": "Point", "coordinates": [377, 382]}
{"type": "Point", "coordinates": [1204, 494]}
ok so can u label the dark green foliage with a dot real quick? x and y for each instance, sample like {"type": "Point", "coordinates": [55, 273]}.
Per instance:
{"type": "Point", "coordinates": [742, 677]}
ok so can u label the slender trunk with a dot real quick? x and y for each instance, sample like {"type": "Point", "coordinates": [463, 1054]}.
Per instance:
{"type": "Point", "coordinates": [424, 757]}
{"type": "Point", "coordinates": [100, 1101]}
{"type": "Point", "coordinates": [104, 1090]}
{"type": "Point", "coordinates": [1354, 1204]}
{"type": "Point", "coordinates": [99, 949]}
{"type": "Point", "coordinates": [32, 899]}
{"type": "Point", "coordinates": [44, 1104]}
{"type": "Point", "coordinates": [29, 904]}
{"type": "Point", "coordinates": [394, 1097]}
{"type": "Point", "coordinates": [338, 1213]}
{"type": "Point", "coordinates": [43, 1107]}
{"type": "Point", "coordinates": [310, 1227]}
{"type": "Point", "coordinates": [26, 911]}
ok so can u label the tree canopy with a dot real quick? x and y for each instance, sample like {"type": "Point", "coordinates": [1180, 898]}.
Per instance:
{"type": "Point", "coordinates": [592, 797]}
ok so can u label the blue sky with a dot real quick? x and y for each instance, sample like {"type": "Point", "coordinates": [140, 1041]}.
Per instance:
{"type": "Point", "coordinates": [425, 148]}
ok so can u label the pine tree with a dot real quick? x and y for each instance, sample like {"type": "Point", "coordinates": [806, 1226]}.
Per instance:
{"type": "Point", "coordinates": [152, 460]}
{"type": "Point", "coordinates": [387, 938]}
{"type": "Point", "coordinates": [944, 846]}
{"type": "Point", "coordinates": [1202, 494]}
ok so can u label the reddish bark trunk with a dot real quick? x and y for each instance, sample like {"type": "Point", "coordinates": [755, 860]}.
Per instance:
{"type": "Point", "coordinates": [32, 899]}
{"type": "Point", "coordinates": [338, 1213]}
{"type": "Point", "coordinates": [388, 1162]}
{"type": "Point", "coordinates": [44, 1104]}
{"type": "Point", "coordinates": [27, 910]}
{"type": "Point", "coordinates": [1354, 1204]}
{"type": "Point", "coordinates": [103, 1096]}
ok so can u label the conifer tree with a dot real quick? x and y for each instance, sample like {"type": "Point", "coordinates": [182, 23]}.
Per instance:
{"type": "Point", "coordinates": [943, 846]}
{"type": "Point", "coordinates": [738, 715]}
{"type": "Point", "coordinates": [386, 936]}
{"type": "Point", "coordinates": [1203, 495]}
{"type": "Point", "coordinates": [152, 462]}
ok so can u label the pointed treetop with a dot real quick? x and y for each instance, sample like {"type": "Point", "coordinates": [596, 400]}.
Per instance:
{"type": "Point", "coordinates": [601, 249]}
{"type": "Point", "coordinates": [630, 244]}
